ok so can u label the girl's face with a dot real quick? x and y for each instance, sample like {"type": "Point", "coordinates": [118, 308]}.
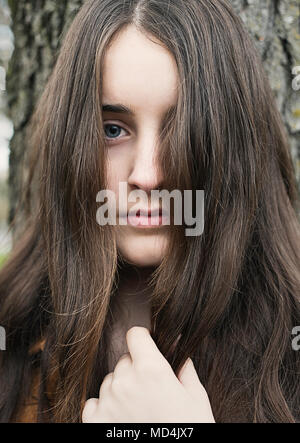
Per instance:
{"type": "Point", "coordinates": [141, 76]}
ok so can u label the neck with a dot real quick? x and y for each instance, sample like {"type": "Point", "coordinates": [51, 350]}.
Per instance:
{"type": "Point", "coordinates": [134, 281]}
{"type": "Point", "coordinates": [133, 298]}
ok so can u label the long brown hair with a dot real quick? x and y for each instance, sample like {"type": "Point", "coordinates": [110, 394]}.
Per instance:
{"type": "Point", "coordinates": [232, 293]}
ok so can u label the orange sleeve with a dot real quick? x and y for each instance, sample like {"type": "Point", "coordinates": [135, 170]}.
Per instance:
{"type": "Point", "coordinates": [27, 411]}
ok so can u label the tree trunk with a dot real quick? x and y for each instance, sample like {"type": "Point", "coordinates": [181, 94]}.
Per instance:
{"type": "Point", "coordinates": [275, 28]}
{"type": "Point", "coordinates": [38, 25]}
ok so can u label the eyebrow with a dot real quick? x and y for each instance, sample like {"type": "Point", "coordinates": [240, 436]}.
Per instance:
{"type": "Point", "coordinates": [118, 108]}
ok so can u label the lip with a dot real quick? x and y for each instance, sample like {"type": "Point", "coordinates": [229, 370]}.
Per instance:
{"type": "Point", "coordinates": [145, 221]}
{"type": "Point", "coordinates": [148, 212]}
{"type": "Point", "coordinates": [145, 218]}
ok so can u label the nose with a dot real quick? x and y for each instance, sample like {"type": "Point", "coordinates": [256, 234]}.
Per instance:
{"type": "Point", "coordinates": [145, 173]}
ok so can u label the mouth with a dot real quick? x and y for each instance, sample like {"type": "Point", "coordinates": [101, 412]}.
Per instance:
{"type": "Point", "coordinates": [147, 218]}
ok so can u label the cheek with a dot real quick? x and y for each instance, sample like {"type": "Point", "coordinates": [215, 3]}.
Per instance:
{"type": "Point", "coordinates": [113, 177]}
{"type": "Point", "coordinates": [117, 171]}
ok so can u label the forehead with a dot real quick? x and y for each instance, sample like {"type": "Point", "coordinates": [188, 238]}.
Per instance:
{"type": "Point", "coordinates": [139, 73]}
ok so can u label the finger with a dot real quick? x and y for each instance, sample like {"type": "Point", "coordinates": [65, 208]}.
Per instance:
{"type": "Point", "coordinates": [189, 378]}
{"type": "Point", "coordinates": [106, 384]}
{"type": "Point", "coordinates": [142, 347]}
{"type": "Point", "coordinates": [190, 381]}
{"type": "Point", "coordinates": [173, 347]}
{"type": "Point", "coordinates": [124, 363]}
{"type": "Point", "coordinates": [89, 409]}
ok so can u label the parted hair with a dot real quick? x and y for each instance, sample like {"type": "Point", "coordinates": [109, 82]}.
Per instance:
{"type": "Point", "coordinates": [232, 293]}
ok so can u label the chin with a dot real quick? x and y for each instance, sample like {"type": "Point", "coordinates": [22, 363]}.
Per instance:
{"type": "Point", "coordinates": [142, 250]}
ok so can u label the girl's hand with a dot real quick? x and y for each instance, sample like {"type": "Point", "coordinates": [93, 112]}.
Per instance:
{"type": "Point", "coordinates": [144, 389]}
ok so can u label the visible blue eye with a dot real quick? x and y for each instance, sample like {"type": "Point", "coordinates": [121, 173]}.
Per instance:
{"type": "Point", "coordinates": [112, 131]}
